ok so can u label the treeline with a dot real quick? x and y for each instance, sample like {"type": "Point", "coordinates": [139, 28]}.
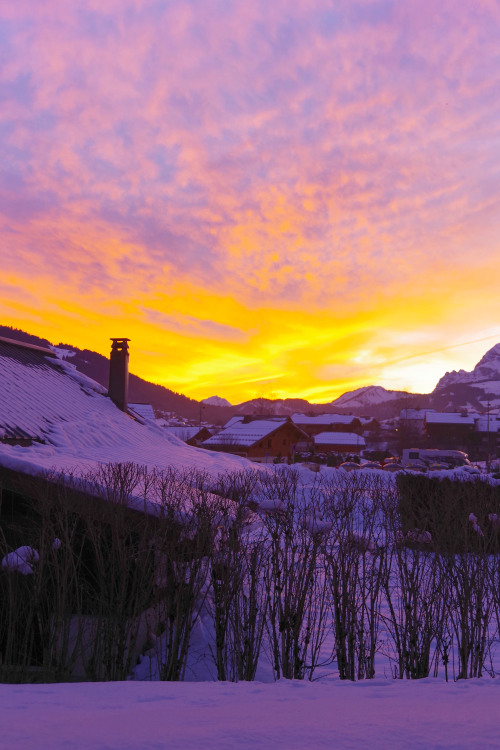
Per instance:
{"type": "Point", "coordinates": [348, 575]}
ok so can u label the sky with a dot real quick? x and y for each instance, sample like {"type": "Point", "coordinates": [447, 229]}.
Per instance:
{"type": "Point", "coordinates": [270, 199]}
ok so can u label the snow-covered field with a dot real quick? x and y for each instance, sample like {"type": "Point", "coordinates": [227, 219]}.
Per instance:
{"type": "Point", "coordinates": [379, 715]}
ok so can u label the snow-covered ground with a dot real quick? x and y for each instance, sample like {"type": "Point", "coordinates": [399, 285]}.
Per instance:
{"type": "Point", "coordinates": [379, 715]}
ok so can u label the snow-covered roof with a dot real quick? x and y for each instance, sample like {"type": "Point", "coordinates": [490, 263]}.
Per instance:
{"type": "Point", "coordinates": [415, 413]}
{"type": "Point", "coordinates": [233, 420]}
{"type": "Point", "coordinates": [48, 400]}
{"type": "Point", "coordinates": [487, 425]}
{"type": "Point", "coordinates": [183, 432]}
{"type": "Point", "coordinates": [449, 418]}
{"type": "Point", "coordinates": [145, 411]}
{"type": "Point", "coordinates": [244, 433]}
{"type": "Point", "coordinates": [339, 438]}
{"type": "Point", "coordinates": [323, 419]}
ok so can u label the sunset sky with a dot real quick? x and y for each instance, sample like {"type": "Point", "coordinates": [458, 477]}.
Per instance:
{"type": "Point", "coordinates": [268, 197]}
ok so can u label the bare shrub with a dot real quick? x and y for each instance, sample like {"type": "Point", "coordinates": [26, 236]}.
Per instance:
{"type": "Point", "coordinates": [356, 566]}
{"type": "Point", "coordinates": [470, 607]}
{"type": "Point", "coordinates": [183, 545]}
{"type": "Point", "coordinates": [295, 625]}
{"type": "Point", "coordinates": [415, 593]}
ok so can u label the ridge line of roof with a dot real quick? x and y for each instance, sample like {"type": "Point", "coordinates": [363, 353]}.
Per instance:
{"type": "Point", "coordinates": [25, 345]}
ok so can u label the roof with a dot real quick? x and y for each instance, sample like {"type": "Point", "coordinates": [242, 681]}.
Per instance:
{"type": "Point", "coordinates": [324, 419]}
{"type": "Point", "coordinates": [184, 433]}
{"type": "Point", "coordinates": [339, 438]}
{"type": "Point", "coordinates": [25, 345]}
{"type": "Point", "coordinates": [414, 413]}
{"type": "Point", "coordinates": [48, 400]}
{"type": "Point", "coordinates": [233, 420]}
{"type": "Point", "coordinates": [488, 425]}
{"type": "Point", "coordinates": [246, 434]}
{"type": "Point", "coordinates": [145, 411]}
{"type": "Point", "coordinates": [449, 418]}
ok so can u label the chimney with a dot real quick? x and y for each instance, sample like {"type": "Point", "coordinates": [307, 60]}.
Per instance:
{"type": "Point", "coordinates": [118, 373]}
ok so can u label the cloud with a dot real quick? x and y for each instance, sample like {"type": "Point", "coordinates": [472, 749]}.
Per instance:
{"type": "Point", "coordinates": [332, 163]}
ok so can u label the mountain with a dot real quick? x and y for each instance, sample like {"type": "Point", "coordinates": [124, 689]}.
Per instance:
{"type": "Point", "coordinates": [369, 395]}
{"type": "Point", "coordinates": [216, 401]}
{"type": "Point", "coordinates": [478, 388]}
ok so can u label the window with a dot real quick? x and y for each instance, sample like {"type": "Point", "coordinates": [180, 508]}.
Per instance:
{"type": "Point", "coordinates": [269, 442]}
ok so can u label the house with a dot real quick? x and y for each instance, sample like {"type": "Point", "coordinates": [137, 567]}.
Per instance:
{"type": "Point", "coordinates": [317, 423]}
{"type": "Point", "coordinates": [450, 430]}
{"type": "Point", "coordinates": [487, 438]}
{"type": "Point", "coordinates": [339, 442]}
{"type": "Point", "coordinates": [260, 439]}
{"type": "Point", "coordinates": [190, 434]}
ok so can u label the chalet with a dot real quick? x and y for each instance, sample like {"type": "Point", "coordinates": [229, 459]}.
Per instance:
{"type": "Point", "coordinates": [262, 439]}
{"type": "Point", "coordinates": [450, 430]}
{"type": "Point", "coordinates": [412, 421]}
{"type": "Point", "coordinates": [313, 425]}
{"type": "Point", "coordinates": [487, 438]}
{"type": "Point", "coordinates": [339, 442]}
{"type": "Point", "coordinates": [191, 435]}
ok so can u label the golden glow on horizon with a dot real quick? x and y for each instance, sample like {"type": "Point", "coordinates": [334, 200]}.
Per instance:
{"type": "Point", "coordinates": [269, 353]}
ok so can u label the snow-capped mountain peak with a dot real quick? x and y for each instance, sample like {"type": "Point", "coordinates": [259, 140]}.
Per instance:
{"type": "Point", "coordinates": [216, 401]}
{"type": "Point", "coordinates": [487, 369]}
{"type": "Point", "coordinates": [484, 378]}
{"type": "Point", "coordinates": [367, 396]}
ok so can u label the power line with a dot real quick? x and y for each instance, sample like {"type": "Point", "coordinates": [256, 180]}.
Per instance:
{"type": "Point", "coordinates": [442, 349]}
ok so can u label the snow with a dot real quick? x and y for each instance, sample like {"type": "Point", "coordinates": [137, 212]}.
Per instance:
{"type": "Point", "coordinates": [21, 560]}
{"type": "Point", "coordinates": [381, 714]}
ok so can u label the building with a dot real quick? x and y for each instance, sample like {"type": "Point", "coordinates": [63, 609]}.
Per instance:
{"type": "Point", "coordinates": [339, 442]}
{"type": "Point", "coordinates": [260, 439]}
{"type": "Point", "coordinates": [189, 434]}
{"type": "Point", "coordinates": [450, 430]}
{"type": "Point", "coordinates": [317, 423]}
{"type": "Point", "coordinates": [487, 438]}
